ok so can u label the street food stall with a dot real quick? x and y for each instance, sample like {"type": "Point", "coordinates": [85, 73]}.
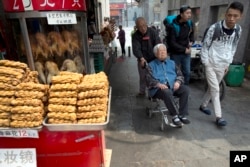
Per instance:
{"type": "Point", "coordinates": [52, 113]}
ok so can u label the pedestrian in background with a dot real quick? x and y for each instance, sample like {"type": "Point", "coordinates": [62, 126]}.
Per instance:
{"type": "Point", "coordinates": [217, 54]}
{"type": "Point", "coordinates": [122, 39]}
{"type": "Point", "coordinates": [143, 42]}
{"type": "Point", "coordinates": [180, 41]}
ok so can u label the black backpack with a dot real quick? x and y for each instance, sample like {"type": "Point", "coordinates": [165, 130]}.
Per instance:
{"type": "Point", "coordinates": [218, 32]}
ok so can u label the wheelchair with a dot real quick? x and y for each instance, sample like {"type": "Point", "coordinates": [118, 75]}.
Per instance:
{"type": "Point", "coordinates": [156, 106]}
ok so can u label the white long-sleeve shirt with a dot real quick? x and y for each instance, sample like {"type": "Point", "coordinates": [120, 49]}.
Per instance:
{"type": "Point", "coordinates": [219, 52]}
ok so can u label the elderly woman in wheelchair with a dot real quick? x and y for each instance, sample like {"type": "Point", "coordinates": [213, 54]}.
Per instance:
{"type": "Point", "coordinates": [165, 82]}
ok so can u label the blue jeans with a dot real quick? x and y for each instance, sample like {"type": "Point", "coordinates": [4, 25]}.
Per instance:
{"type": "Point", "coordinates": [183, 61]}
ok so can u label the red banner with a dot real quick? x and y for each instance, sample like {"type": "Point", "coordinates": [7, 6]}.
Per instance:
{"type": "Point", "coordinates": [43, 5]}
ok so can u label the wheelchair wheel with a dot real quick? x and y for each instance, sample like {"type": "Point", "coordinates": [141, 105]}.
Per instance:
{"type": "Point", "coordinates": [148, 112]}
{"type": "Point", "coordinates": [222, 89]}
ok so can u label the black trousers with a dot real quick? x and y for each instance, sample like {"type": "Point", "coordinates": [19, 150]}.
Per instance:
{"type": "Point", "coordinates": [123, 47]}
{"type": "Point", "coordinates": [167, 96]}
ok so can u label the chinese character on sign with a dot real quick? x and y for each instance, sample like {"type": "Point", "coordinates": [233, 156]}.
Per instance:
{"type": "Point", "coordinates": [46, 2]}
{"type": "Point", "coordinates": [14, 133]}
{"type": "Point", "coordinates": [7, 133]}
{"type": "Point", "coordinates": [10, 157]}
{"type": "Point", "coordinates": [26, 157]}
{"type": "Point", "coordinates": [76, 2]}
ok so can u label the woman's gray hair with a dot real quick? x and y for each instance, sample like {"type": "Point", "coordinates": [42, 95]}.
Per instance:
{"type": "Point", "coordinates": [157, 47]}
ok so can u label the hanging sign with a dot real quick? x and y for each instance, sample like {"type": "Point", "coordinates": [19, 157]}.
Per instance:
{"type": "Point", "coordinates": [43, 5]}
{"type": "Point", "coordinates": [61, 18]}
{"type": "Point", "coordinates": [23, 157]}
{"type": "Point", "coordinates": [19, 133]}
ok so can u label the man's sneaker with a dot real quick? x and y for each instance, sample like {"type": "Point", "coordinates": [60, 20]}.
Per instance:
{"type": "Point", "coordinates": [176, 121]}
{"type": "Point", "coordinates": [205, 110]}
{"type": "Point", "coordinates": [221, 122]}
{"type": "Point", "coordinates": [140, 94]}
{"type": "Point", "coordinates": [184, 120]}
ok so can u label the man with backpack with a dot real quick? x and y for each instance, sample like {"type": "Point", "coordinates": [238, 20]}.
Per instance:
{"type": "Point", "coordinates": [219, 46]}
{"type": "Point", "coordinates": [180, 37]}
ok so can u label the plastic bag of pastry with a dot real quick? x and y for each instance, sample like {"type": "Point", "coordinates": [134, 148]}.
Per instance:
{"type": "Point", "coordinates": [5, 86]}
{"type": "Point", "coordinates": [5, 108]}
{"type": "Point", "coordinates": [4, 115]}
{"type": "Point", "coordinates": [92, 93]}
{"type": "Point", "coordinates": [25, 124]}
{"type": "Point", "coordinates": [92, 120]}
{"type": "Point", "coordinates": [59, 94]}
{"type": "Point", "coordinates": [10, 72]}
{"type": "Point", "coordinates": [10, 80]}
{"type": "Point", "coordinates": [14, 64]}
{"type": "Point", "coordinates": [29, 94]}
{"type": "Point", "coordinates": [62, 87]}
{"type": "Point", "coordinates": [62, 79]}
{"type": "Point", "coordinates": [94, 107]}
{"type": "Point", "coordinates": [71, 74]}
{"type": "Point", "coordinates": [92, 114]}
{"type": "Point", "coordinates": [5, 100]}
{"type": "Point", "coordinates": [4, 122]}
{"type": "Point", "coordinates": [60, 121]}
{"type": "Point", "coordinates": [27, 117]}
{"type": "Point", "coordinates": [27, 109]}
{"type": "Point", "coordinates": [92, 101]}
{"type": "Point", "coordinates": [67, 116]}
{"type": "Point", "coordinates": [63, 101]}
{"type": "Point", "coordinates": [61, 108]}
{"type": "Point", "coordinates": [26, 102]}
{"type": "Point", "coordinates": [31, 86]}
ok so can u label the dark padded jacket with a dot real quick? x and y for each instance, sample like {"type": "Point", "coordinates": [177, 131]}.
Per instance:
{"type": "Point", "coordinates": [178, 44]}
{"type": "Point", "coordinates": [143, 44]}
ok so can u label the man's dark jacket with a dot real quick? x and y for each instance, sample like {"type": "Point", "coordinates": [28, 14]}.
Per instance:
{"type": "Point", "coordinates": [179, 43]}
{"type": "Point", "coordinates": [143, 44]}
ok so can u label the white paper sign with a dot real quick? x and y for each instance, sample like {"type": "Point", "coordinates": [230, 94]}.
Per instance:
{"type": "Point", "coordinates": [20, 133]}
{"type": "Point", "coordinates": [61, 18]}
{"type": "Point", "coordinates": [24, 157]}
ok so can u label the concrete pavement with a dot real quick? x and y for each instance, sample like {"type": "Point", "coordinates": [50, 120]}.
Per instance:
{"type": "Point", "coordinates": [136, 140]}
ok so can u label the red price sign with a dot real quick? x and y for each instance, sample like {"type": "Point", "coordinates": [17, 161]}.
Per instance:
{"type": "Point", "coordinates": [43, 5]}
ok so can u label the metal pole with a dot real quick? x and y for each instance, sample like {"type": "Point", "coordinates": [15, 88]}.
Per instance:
{"type": "Point", "coordinates": [25, 33]}
{"type": "Point", "coordinates": [129, 52]}
{"type": "Point", "coordinates": [115, 51]}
